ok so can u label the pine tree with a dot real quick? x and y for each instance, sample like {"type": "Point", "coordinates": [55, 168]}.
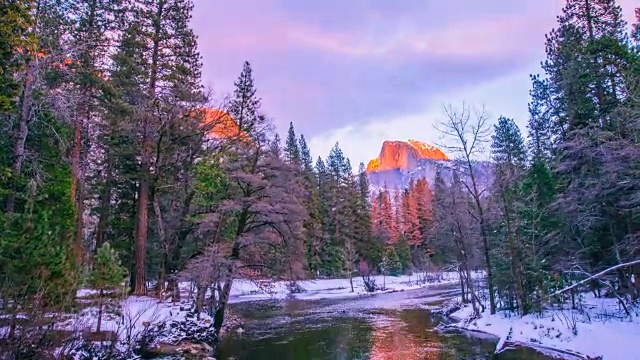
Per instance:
{"type": "Point", "coordinates": [245, 104]}
{"type": "Point", "coordinates": [541, 126]}
{"type": "Point", "coordinates": [403, 252]}
{"type": "Point", "coordinates": [587, 59]}
{"type": "Point", "coordinates": [305, 155]}
{"type": "Point", "coordinates": [368, 248]}
{"type": "Point", "coordinates": [158, 69]}
{"type": "Point", "coordinates": [95, 20]}
{"type": "Point", "coordinates": [107, 275]}
{"type": "Point", "coordinates": [15, 23]}
{"type": "Point", "coordinates": [36, 218]}
{"type": "Point", "coordinates": [292, 150]}
{"type": "Point", "coordinates": [509, 156]}
{"type": "Point", "coordinates": [276, 146]}
{"type": "Point", "coordinates": [390, 265]}
{"type": "Point", "coordinates": [338, 197]}
{"type": "Point", "coordinates": [313, 224]}
{"type": "Point", "coordinates": [584, 63]}
{"type": "Point", "coordinates": [424, 210]}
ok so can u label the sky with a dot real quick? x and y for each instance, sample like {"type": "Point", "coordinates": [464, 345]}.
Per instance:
{"type": "Point", "coordinates": [359, 72]}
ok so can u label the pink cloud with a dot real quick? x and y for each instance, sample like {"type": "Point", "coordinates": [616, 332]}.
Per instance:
{"type": "Point", "coordinates": [484, 37]}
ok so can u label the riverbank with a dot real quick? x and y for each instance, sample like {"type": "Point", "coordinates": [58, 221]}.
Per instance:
{"type": "Point", "coordinates": [137, 312]}
{"type": "Point", "coordinates": [600, 329]}
{"type": "Point", "coordinates": [282, 321]}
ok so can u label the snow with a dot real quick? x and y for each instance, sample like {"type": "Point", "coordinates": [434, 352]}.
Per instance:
{"type": "Point", "coordinates": [135, 312]}
{"type": "Point", "coordinates": [245, 290]}
{"type": "Point", "coordinates": [601, 329]}
{"type": "Point", "coordinates": [138, 311]}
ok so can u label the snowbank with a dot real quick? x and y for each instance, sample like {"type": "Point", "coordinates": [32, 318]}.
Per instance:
{"type": "Point", "coordinates": [245, 290]}
{"type": "Point", "coordinates": [601, 329]}
{"type": "Point", "coordinates": [136, 312]}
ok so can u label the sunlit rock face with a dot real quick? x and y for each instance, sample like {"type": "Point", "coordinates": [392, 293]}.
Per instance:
{"type": "Point", "coordinates": [404, 155]}
{"type": "Point", "coordinates": [401, 160]}
{"type": "Point", "coordinates": [219, 124]}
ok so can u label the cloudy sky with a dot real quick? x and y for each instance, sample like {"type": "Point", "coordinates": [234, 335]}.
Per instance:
{"type": "Point", "coordinates": [359, 72]}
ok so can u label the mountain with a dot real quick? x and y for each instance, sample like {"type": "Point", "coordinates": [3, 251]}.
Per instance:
{"type": "Point", "coordinates": [404, 155]}
{"type": "Point", "coordinates": [401, 160]}
{"type": "Point", "coordinates": [219, 124]}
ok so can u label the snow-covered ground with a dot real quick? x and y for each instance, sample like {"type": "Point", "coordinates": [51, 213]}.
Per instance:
{"type": "Point", "coordinates": [245, 290]}
{"type": "Point", "coordinates": [601, 329]}
{"type": "Point", "coordinates": [137, 311]}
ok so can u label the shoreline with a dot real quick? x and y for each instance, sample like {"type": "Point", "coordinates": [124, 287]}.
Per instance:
{"type": "Point", "coordinates": [568, 334]}
{"type": "Point", "coordinates": [560, 354]}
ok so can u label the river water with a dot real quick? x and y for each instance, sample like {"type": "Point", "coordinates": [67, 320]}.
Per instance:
{"type": "Point", "coordinates": [386, 326]}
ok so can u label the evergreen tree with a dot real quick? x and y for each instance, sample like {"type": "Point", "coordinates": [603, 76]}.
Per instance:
{"type": "Point", "coordinates": [157, 68]}
{"type": "Point", "coordinates": [541, 126]}
{"type": "Point", "coordinates": [292, 150]}
{"type": "Point", "coordinates": [305, 155]}
{"type": "Point", "coordinates": [95, 20]}
{"type": "Point", "coordinates": [276, 146]}
{"type": "Point", "coordinates": [394, 263]}
{"type": "Point", "coordinates": [15, 23]}
{"type": "Point", "coordinates": [368, 248]}
{"type": "Point", "coordinates": [245, 104]}
{"type": "Point", "coordinates": [403, 252]}
{"type": "Point", "coordinates": [36, 219]}
{"type": "Point", "coordinates": [587, 58]}
{"type": "Point", "coordinates": [107, 275]}
{"type": "Point", "coordinates": [509, 156]}
{"type": "Point", "coordinates": [313, 224]}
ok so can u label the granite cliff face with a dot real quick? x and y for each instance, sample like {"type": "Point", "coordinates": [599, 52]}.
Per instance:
{"type": "Point", "coordinates": [400, 160]}
{"type": "Point", "coordinates": [404, 155]}
{"type": "Point", "coordinates": [221, 125]}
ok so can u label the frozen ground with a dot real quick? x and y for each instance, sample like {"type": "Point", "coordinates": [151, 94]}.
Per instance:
{"type": "Point", "coordinates": [601, 329]}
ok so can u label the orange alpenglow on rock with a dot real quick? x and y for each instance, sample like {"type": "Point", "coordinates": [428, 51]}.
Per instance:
{"type": "Point", "coordinates": [221, 125]}
{"type": "Point", "coordinates": [404, 155]}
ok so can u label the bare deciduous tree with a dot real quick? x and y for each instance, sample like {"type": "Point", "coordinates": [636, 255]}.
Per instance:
{"type": "Point", "coordinates": [263, 205]}
{"type": "Point", "coordinates": [468, 132]}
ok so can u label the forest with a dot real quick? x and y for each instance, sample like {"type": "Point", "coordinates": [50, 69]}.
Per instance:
{"type": "Point", "coordinates": [118, 167]}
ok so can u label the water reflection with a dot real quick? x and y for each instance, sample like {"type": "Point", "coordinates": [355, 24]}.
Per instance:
{"type": "Point", "coordinates": [410, 336]}
{"type": "Point", "coordinates": [344, 340]}
{"type": "Point", "coordinates": [381, 335]}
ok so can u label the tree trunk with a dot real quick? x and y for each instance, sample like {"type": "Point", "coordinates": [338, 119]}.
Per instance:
{"type": "Point", "coordinates": [21, 136]}
{"type": "Point", "coordinates": [351, 281]}
{"type": "Point", "coordinates": [142, 216]}
{"type": "Point", "coordinates": [13, 323]}
{"type": "Point", "coordinates": [471, 292]}
{"type": "Point", "coordinates": [483, 231]}
{"type": "Point", "coordinates": [200, 293]}
{"type": "Point", "coordinates": [76, 189]}
{"type": "Point", "coordinates": [105, 201]}
{"type": "Point", "coordinates": [218, 318]}
{"type": "Point", "coordinates": [635, 272]}
{"type": "Point", "coordinates": [515, 259]}
{"type": "Point", "coordinates": [163, 244]}
{"type": "Point", "coordinates": [162, 278]}
{"type": "Point", "coordinates": [462, 292]}
{"type": "Point", "coordinates": [142, 224]}
{"type": "Point", "coordinates": [100, 311]}
{"type": "Point", "coordinates": [173, 287]}
{"type": "Point", "coordinates": [487, 258]}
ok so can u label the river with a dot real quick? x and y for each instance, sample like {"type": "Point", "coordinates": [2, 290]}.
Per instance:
{"type": "Point", "coordinates": [385, 326]}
